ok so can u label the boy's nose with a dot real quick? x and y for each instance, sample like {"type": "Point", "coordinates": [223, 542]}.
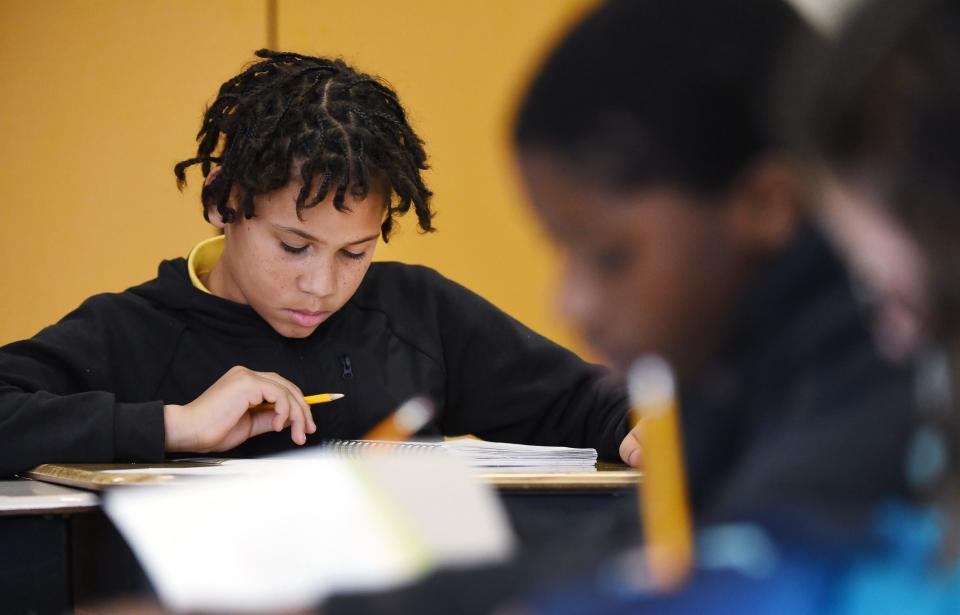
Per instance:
{"type": "Point", "coordinates": [319, 280]}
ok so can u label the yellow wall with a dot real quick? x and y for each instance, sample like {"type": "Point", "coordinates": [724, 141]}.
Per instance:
{"type": "Point", "coordinates": [101, 98]}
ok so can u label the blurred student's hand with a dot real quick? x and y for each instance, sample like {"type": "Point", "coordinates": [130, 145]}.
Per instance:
{"type": "Point", "coordinates": [228, 413]}
{"type": "Point", "coordinates": [630, 449]}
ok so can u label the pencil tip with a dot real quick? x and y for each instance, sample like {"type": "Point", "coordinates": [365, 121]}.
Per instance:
{"type": "Point", "coordinates": [335, 396]}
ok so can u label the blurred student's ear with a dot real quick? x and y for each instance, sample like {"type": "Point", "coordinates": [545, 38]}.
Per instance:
{"type": "Point", "coordinates": [765, 205]}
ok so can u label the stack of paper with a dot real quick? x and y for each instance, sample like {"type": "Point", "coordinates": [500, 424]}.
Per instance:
{"type": "Point", "coordinates": [290, 533]}
{"type": "Point", "coordinates": [480, 453]}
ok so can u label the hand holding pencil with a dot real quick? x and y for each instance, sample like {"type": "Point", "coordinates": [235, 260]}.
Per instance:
{"type": "Point", "coordinates": [240, 405]}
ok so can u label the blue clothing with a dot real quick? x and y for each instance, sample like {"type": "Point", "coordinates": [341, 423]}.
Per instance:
{"type": "Point", "coordinates": [895, 573]}
{"type": "Point", "coordinates": [903, 577]}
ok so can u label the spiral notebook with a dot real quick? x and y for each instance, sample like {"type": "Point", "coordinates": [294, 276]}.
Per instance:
{"type": "Point", "coordinates": [482, 453]}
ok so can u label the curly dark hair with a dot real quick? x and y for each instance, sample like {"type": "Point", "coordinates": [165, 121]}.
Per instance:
{"type": "Point", "coordinates": [693, 111]}
{"type": "Point", "coordinates": [338, 128]}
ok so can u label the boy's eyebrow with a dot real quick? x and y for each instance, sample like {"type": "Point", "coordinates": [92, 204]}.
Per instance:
{"type": "Point", "coordinates": [364, 240]}
{"type": "Point", "coordinates": [296, 231]}
{"type": "Point", "coordinates": [309, 237]}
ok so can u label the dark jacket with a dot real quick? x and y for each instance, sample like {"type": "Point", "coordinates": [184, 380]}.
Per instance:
{"type": "Point", "coordinates": [92, 387]}
{"type": "Point", "coordinates": [798, 411]}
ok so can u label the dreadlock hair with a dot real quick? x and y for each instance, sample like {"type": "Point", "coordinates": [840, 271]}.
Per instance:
{"type": "Point", "coordinates": [339, 129]}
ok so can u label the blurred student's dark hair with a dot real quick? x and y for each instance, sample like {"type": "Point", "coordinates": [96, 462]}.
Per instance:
{"type": "Point", "coordinates": [648, 92]}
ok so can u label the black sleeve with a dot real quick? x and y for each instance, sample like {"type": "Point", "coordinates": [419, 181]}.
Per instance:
{"type": "Point", "coordinates": [835, 446]}
{"type": "Point", "coordinates": [58, 400]}
{"type": "Point", "coordinates": [507, 383]}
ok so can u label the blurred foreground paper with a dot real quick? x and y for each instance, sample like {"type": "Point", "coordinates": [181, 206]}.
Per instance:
{"type": "Point", "coordinates": [285, 538]}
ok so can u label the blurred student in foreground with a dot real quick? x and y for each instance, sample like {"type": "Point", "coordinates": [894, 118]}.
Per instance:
{"type": "Point", "coordinates": [883, 121]}
{"type": "Point", "coordinates": [648, 152]}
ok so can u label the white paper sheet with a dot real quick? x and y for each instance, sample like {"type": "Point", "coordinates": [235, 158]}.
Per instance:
{"type": "Point", "coordinates": [288, 534]}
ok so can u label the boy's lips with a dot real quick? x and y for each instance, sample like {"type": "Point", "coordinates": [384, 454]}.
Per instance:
{"type": "Point", "coordinates": [307, 319]}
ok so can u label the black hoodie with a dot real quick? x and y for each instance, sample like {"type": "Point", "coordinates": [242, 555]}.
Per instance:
{"type": "Point", "coordinates": [798, 411]}
{"type": "Point", "coordinates": [91, 388]}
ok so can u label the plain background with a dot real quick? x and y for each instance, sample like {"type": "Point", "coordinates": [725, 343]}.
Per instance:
{"type": "Point", "coordinates": [102, 97]}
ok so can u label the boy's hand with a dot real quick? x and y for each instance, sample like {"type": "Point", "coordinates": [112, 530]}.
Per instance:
{"type": "Point", "coordinates": [224, 416]}
{"type": "Point", "coordinates": [631, 451]}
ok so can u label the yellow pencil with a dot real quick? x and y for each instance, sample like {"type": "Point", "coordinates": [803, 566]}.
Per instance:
{"type": "Point", "coordinates": [668, 537]}
{"type": "Point", "coordinates": [320, 398]}
{"type": "Point", "coordinates": [404, 422]}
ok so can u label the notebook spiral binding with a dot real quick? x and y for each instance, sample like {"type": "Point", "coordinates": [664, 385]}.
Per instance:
{"type": "Point", "coordinates": [360, 447]}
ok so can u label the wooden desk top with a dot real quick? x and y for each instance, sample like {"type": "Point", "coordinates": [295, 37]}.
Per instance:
{"type": "Point", "coordinates": [98, 478]}
{"type": "Point", "coordinates": [27, 497]}
{"type": "Point", "coordinates": [607, 477]}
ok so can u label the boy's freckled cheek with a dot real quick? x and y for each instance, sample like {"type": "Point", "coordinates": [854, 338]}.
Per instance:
{"type": "Point", "coordinates": [274, 274]}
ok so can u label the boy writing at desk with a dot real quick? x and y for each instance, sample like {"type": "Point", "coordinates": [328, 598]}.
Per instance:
{"type": "Point", "coordinates": [307, 163]}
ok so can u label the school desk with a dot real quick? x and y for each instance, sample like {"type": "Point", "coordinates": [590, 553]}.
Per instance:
{"type": "Point", "coordinates": [541, 506]}
{"type": "Point", "coordinates": [35, 566]}
{"type": "Point", "coordinates": [608, 477]}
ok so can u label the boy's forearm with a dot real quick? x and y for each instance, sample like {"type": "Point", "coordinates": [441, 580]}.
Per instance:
{"type": "Point", "coordinates": [89, 427]}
